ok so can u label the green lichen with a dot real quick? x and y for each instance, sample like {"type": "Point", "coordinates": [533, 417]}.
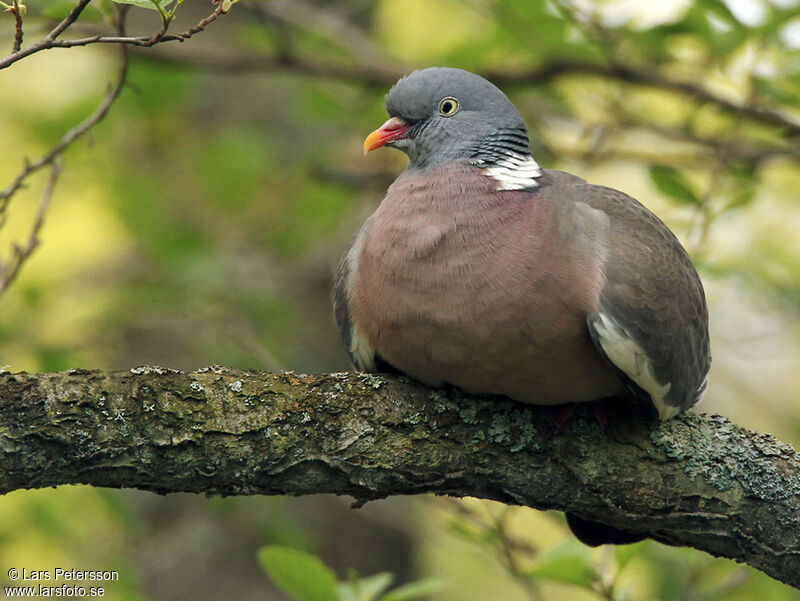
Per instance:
{"type": "Point", "coordinates": [526, 431]}
{"type": "Point", "coordinates": [469, 415]}
{"type": "Point", "coordinates": [509, 425]}
{"type": "Point", "coordinates": [415, 418]}
{"type": "Point", "coordinates": [372, 380]}
{"type": "Point", "coordinates": [85, 442]}
{"type": "Point", "coordinates": [713, 449]}
{"type": "Point", "coordinates": [440, 401]}
{"type": "Point", "coordinates": [499, 428]}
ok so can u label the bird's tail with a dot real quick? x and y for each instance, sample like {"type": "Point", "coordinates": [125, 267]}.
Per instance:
{"type": "Point", "coordinates": [595, 534]}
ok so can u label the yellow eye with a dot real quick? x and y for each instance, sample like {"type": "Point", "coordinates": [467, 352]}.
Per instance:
{"type": "Point", "coordinates": [448, 106]}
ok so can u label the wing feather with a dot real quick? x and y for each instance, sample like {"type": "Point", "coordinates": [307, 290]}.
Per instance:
{"type": "Point", "coordinates": [651, 322]}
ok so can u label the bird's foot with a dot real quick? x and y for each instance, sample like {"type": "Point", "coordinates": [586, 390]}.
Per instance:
{"type": "Point", "coordinates": [566, 411]}
{"type": "Point", "coordinates": [562, 417]}
{"type": "Point", "coordinates": [600, 415]}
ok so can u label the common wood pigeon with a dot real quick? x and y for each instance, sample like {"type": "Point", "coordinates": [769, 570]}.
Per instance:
{"type": "Point", "coordinates": [483, 270]}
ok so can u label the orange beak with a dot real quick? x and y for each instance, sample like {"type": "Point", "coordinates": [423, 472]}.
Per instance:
{"type": "Point", "coordinates": [394, 129]}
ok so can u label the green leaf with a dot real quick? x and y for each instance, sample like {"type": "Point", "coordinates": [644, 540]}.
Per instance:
{"type": "Point", "coordinates": [301, 575]}
{"type": "Point", "coordinates": [740, 199]}
{"type": "Point", "coordinates": [61, 8]}
{"type": "Point", "coordinates": [673, 183]}
{"type": "Point", "coordinates": [365, 589]}
{"type": "Point", "coordinates": [146, 3]}
{"type": "Point", "coordinates": [568, 563]}
{"type": "Point", "coordinates": [414, 590]}
{"type": "Point", "coordinates": [624, 553]}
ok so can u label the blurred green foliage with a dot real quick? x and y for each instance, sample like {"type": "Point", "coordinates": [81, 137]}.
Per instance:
{"type": "Point", "coordinates": [202, 223]}
{"type": "Point", "coordinates": [306, 578]}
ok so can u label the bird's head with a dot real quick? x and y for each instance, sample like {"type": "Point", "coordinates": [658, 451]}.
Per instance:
{"type": "Point", "coordinates": [440, 114]}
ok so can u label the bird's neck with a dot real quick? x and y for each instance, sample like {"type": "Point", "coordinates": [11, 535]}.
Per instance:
{"type": "Point", "coordinates": [505, 156]}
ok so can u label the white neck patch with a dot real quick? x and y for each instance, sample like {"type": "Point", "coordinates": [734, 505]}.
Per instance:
{"type": "Point", "coordinates": [515, 172]}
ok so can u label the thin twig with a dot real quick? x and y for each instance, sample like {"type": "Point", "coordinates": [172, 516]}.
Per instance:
{"type": "Point", "coordinates": [284, 41]}
{"type": "Point", "coordinates": [51, 41]}
{"type": "Point", "coordinates": [17, 27]}
{"type": "Point", "coordinates": [20, 254]}
{"type": "Point", "coordinates": [509, 559]}
{"type": "Point", "coordinates": [71, 136]}
{"type": "Point", "coordinates": [329, 23]}
{"type": "Point", "coordinates": [53, 158]}
{"type": "Point", "coordinates": [68, 20]}
{"type": "Point", "coordinates": [506, 547]}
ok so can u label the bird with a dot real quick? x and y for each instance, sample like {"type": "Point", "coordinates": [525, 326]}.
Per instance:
{"type": "Point", "coordinates": [482, 270]}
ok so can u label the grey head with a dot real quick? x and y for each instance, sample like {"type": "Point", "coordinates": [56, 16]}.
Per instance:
{"type": "Point", "coordinates": [441, 114]}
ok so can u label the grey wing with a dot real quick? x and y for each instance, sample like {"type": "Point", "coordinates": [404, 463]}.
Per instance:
{"type": "Point", "coordinates": [361, 353]}
{"type": "Point", "coordinates": [341, 304]}
{"type": "Point", "coordinates": [652, 320]}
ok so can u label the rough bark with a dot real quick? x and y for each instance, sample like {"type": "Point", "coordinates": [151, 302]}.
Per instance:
{"type": "Point", "coordinates": [696, 480]}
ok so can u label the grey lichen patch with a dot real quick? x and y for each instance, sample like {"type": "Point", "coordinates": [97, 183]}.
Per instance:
{"type": "Point", "coordinates": [214, 369]}
{"type": "Point", "coordinates": [372, 380]}
{"type": "Point", "coordinates": [509, 425]}
{"type": "Point", "coordinates": [293, 374]}
{"type": "Point", "coordinates": [236, 386]}
{"type": "Point", "coordinates": [152, 369]}
{"type": "Point", "coordinates": [719, 453]}
{"type": "Point", "coordinates": [415, 418]}
{"type": "Point", "coordinates": [85, 442]}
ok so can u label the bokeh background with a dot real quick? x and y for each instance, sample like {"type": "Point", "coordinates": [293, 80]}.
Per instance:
{"type": "Point", "coordinates": [202, 221]}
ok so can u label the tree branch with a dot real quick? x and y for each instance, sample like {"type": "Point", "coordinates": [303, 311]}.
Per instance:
{"type": "Point", "coordinates": [51, 39]}
{"type": "Point", "coordinates": [386, 75]}
{"type": "Point", "coordinates": [695, 480]}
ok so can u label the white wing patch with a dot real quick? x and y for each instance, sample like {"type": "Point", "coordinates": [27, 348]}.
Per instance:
{"type": "Point", "coordinates": [515, 172]}
{"type": "Point", "coordinates": [361, 350]}
{"type": "Point", "coordinates": [630, 358]}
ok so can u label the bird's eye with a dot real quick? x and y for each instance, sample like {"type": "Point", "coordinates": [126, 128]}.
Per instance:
{"type": "Point", "coordinates": [448, 106]}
